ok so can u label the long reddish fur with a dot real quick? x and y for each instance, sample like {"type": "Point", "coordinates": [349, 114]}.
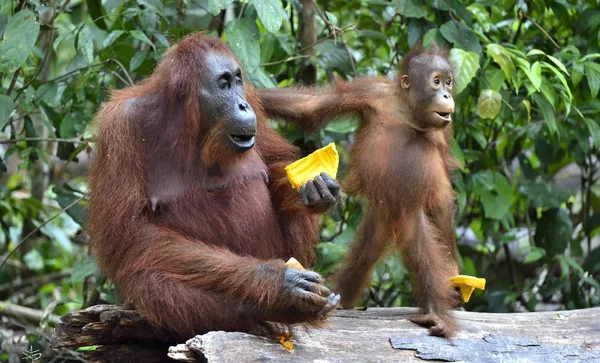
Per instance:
{"type": "Point", "coordinates": [210, 256]}
{"type": "Point", "coordinates": [404, 175]}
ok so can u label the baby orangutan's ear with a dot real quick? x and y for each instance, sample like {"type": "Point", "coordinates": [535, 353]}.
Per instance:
{"type": "Point", "coordinates": [404, 82]}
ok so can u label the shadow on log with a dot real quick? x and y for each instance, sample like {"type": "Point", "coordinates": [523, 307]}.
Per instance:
{"type": "Point", "coordinates": [377, 334]}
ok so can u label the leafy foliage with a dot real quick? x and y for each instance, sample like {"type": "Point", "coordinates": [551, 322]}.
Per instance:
{"type": "Point", "coordinates": [527, 128]}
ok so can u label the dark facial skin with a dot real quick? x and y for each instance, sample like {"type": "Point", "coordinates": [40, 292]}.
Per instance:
{"type": "Point", "coordinates": [222, 96]}
{"type": "Point", "coordinates": [429, 82]}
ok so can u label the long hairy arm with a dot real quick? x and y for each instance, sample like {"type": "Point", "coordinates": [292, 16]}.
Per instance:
{"type": "Point", "coordinates": [312, 107]}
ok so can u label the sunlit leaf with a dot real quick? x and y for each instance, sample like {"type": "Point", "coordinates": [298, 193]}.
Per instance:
{"type": "Point", "coordinates": [139, 35]}
{"type": "Point", "coordinates": [85, 46]}
{"type": "Point", "coordinates": [535, 75]}
{"type": "Point", "coordinates": [481, 14]}
{"type": "Point", "coordinates": [535, 253]}
{"type": "Point", "coordinates": [466, 65]}
{"type": "Point", "coordinates": [502, 58]}
{"type": "Point", "coordinates": [215, 6]}
{"type": "Point", "coordinates": [489, 103]}
{"type": "Point", "coordinates": [270, 13]}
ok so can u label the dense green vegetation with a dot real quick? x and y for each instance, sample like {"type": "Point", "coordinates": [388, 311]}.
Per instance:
{"type": "Point", "coordinates": [527, 130]}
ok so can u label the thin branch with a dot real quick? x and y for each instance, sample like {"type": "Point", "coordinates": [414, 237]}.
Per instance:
{"type": "Point", "coordinates": [70, 73]}
{"type": "Point", "coordinates": [543, 31]}
{"type": "Point", "coordinates": [335, 30]}
{"type": "Point", "coordinates": [131, 82]}
{"type": "Point", "coordinates": [73, 140]}
{"type": "Point", "coordinates": [242, 10]}
{"type": "Point", "coordinates": [13, 82]}
{"type": "Point", "coordinates": [25, 313]}
{"type": "Point", "coordinates": [288, 59]}
{"type": "Point", "coordinates": [18, 245]}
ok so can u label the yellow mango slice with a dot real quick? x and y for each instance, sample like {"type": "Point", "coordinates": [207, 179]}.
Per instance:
{"type": "Point", "coordinates": [467, 284]}
{"type": "Point", "coordinates": [286, 341]}
{"type": "Point", "coordinates": [293, 263]}
{"type": "Point", "coordinates": [324, 160]}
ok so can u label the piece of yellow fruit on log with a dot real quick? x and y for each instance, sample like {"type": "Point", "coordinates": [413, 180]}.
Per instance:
{"type": "Point", "coordinates": [286, 341]}
{"type": "Point", "coordinates": [293, 263]}
{"type": "Point", "coordinates": [467, 284]}
{"type": "Point", "coordinates": [324, 160]}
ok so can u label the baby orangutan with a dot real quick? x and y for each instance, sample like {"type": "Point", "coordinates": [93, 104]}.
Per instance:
{"type": "Point", "coordinates": [400, 163]}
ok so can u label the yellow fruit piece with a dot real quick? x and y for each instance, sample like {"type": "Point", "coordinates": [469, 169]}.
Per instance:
{"type": "Point", "coordinates": [293, 263]}
{"type": "Point", "coordinates": [467, 284]}
{"type": "Point", "coordinates": [286, 341]}
{"type": "Point", "coordinates": [324, 160]}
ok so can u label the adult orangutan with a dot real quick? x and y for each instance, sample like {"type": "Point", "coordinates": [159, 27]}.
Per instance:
{"type": "Point", "coordinates": [400, 163]}
{"type": "Point", "coordinates": [191, 214]}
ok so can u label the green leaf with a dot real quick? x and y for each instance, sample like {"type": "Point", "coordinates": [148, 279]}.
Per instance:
{"type": "Point", "coordinates": [544, 195]}
{"type": "Point", "coordinates": [535, 253]}
{"type": "Point", "coordinates": [331, 17]}
{"type": "Point", "coordinates": [215, 6]}
{"type": "Point", "coordinates": [553, 231]}
{"type": "Point", "coordinates": [433, 36]}
{"type": "Point", "coordinates": [18, 40]}
{"type": "Point", "coordinates": [535, 75]}
{"type": "Point", "coordinates": [457, 151]}
{"type": "Point", "coordinates": [64, 197]}
{"type": "Point", "coordinates": [466, 65]}
{"type": "Point", "coordinates": [535, 52]}
{"type": "Point", "coordinates": [112, 37]}
{"type": "Point", "coordinates": [502, 58]}
{"type": "Point", "coordinates": [546, 110]}
{"type": "Point", "coordinates": [560, 77]}
{"type": "Point", "coordinates": [495, 193]}
{"type": "Point", "coordinates": [141, 37]}
{"type": "Point", "coordinates": [270, 13]}
{"type": "Point", "coordinates": [7, 107]}
{"type": "Point", "coordinates": [592, 72]}
{"type": "Point", "coordinates": [411, 9]}
{"type": "Point", "coordinates": [594, 130]}
{"type": "Point", "coordinates": [243, 38]}
{"type": "Point", "coordinates": [527, 105]}
{"type": "Point", "coordinates": [489, 103]}
{"type": "Point", "coordinates": [482, 16]}
{"type": "Point", "coordinates": [342, 125]}
{"type": "Point", "coordinates": [85, 268]}
{"type": "Point", "coordinates": [85, 46]}
{"type": "Point", "coordinates": [137, 60]}
{"type": "Point", "coordinates": [558, 63]}
{"type": "Point", "coordinates": [95, 10]}
{"type": "Point", "coordinates": [461, 36]}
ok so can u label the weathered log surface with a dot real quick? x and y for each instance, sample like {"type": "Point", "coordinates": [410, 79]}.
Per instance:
{"type": "Point", "coordinates": [374, 335]}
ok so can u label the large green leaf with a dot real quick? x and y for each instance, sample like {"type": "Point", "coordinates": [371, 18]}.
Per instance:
{"type": "Point", "coordinates": [592, 72]}
{"type": "Point", "coordinates": [466, 65]}
{"type": "Point", "coordinates": [18, 41]}
{"type": "Point", "coordinates": [489, 103]}
{"type": "Point", "coordinates": [495, 193]}
{"type": "Point", "coordinates": [6, 108]}
{"type": "Point", "coordinates": [215, 6]}
{"type": "Point", "coordinates": [481, 14]}
{"type": "Point", "coordinates": [95, 10]}
{"type": "Point", "coordinates": [65, 197]}
{"type": "Point", "coordinates": [553, 231]}
{"type": "Point", "coordinates": [546, 195]}
{"type": "Point", "coordinates": [411, 8]}
{"type": "Point", "coordinates": [461, 36]}
{"type": "Point", "coordinates": [546, 110]}
{"type": "Point", "coordinates": [502, 58]}
{"type": "Point", "coordinates": [535, 75]}
{"type": "Point", "coordinates": [270, 13]}
{"type": "Point", "coordinates": [85, 46]}
{"type": "Point", "coordinates": [243, 37]}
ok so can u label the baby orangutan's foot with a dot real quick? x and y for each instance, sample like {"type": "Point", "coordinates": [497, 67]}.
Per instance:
{"type": "Point", "coordinates": [439, 325]}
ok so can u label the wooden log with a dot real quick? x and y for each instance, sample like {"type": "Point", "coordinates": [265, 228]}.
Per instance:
{"type": "Point", "coordinates": [377, 334]}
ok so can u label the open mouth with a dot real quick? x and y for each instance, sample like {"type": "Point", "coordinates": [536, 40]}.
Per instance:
{"type": "Point", "coordinates": [444, 115]}
{"type": "Point", "coordinates": [242, 142]}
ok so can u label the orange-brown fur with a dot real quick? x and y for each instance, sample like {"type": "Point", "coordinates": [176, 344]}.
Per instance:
{"type": "Point", "coordinates": [403, 173]}
{"type": "Point", "coordinates": [209, 254]}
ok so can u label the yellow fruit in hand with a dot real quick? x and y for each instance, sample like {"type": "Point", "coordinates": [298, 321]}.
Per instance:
{"type": "Point", "coordinates": [324, 160]}
{"type": "Point", "coordinates": [467, 284]}
{"type": "Point", "coordinates": [286, 341]}
{"type": "Point", "coordinates": [293, 263]}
